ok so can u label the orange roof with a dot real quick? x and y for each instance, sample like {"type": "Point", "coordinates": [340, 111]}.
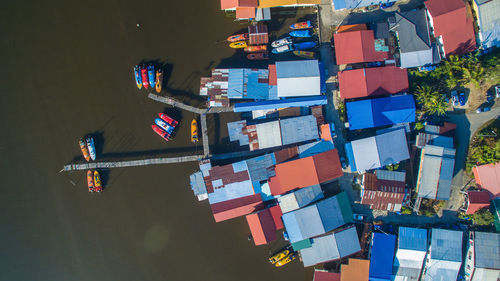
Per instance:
{"type": "Point", "coordinates": [262, 227]}
{"type": "Point", "coordinates": [357, 46]}
{"type": "Point", "coordinates": [326, 133]}
{"type": "Point", "coordinates": [488, 177]}
{"type": "Point", "coordinates": [236, 207]}
{"type": "Point", "coordinates": [245, 13]}
{"type": "Point", "coordinates": [351, 27]}
{"type": "Point", "coordinates": [328, 165]}
{"type": "Point", "coordinates": [294, 174]}
{"type": "Point", "coordinates": [273, 79]}
{"type": "Point", "coordinates": [356, 270]}
{"type": "Point", "coordinates": [232, 4]}
{"type": "Point", "coordinates": [278, 3]}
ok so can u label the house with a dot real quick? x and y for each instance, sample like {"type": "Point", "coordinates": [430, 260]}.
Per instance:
{"type": "Point", "coordinates": [410, 254]}
{"type": "Point", "coordinates": [435, 173]}
{"type": "Point", "coordinates": [488, 178]}
{"type": "Point", "coordinates": [287, 3]}
{"type": "Point", "coordinates": [452, 26]}
{"type": "Point", "coordinates": [245, 9]}
{"type": "Point", "coordinates": [355, 270]}
{"type": "Point", "coordinates": [445, 255]}
{"type": "Point", "coordinates": [331, 247]}
{"type": "Point", "coordinates": [357, 46]}
{"type": "Point", "coordinates": [317, 219]}
{"type": "Point", "coordinates": [477, 199]}
{"type": "Point", "coordinates": [488, 20]}
{"type": "Point", "coordinates": [378, 151]}
{"type": "Point", "coordinates": [235, 83]}
{"type": "Point", "coordinates": [264, 224]}
{"type": "Point", "coordinates": [274, 133]}
{"type": "Point", "coordinates": [415, 47]}
{"type": "Point", "coordinates": [383, 190]}
{"type": "Point", "coordinates": [367, 82]}
{"type": "Point", "coordinates": [353, 4]}
{"type": "Point", "coordinates": [437, 135]}
{"type": "Point", "coordinates": [257, 34]}
{"type": "Point", "coordinates": [283, 103]}
{"type": "Point", "coordinates": [304, 172]}
{"type": "Point", "coordinates": [298, 78]}
{"type": "Point", "coordinates": [382, 256]}
{"type": "Point", "coordinates": [323, 275]}
{"type": "Point", "coordinates": [300, 198]}
{"type": "Point", "coordinates": [483, 257]}
{"type": "Point", "coordinates": [378, 112]}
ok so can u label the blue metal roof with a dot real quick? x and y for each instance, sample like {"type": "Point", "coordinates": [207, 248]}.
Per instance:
{"type": "Point", "coordinates": [487, 250]}
{"type": "Point", "coordinates": [380, 112]}
{"type": "Point", "coordinates": [339, 4]}
{"type": "Point", "coordinates": [299, 68]}
{"type": "Point", "coordinates": [259, 167]}
{"type": "Point", "coordinates": [307, 195]}
{"type": "Point", "coordinates": [298, 129]}
{"type": "Point", "coordinates": [446, 245]}
{"type": "Point", "coordinates": [382, 256]}
{"type": "Point", "coordinates": [314, 148]}
{"type": "Point", "coordinates": [275, 104]}
{"type": "Point", "coordinates": [412, 239]}
{"type": "Point", "coordinates": [303, 223]}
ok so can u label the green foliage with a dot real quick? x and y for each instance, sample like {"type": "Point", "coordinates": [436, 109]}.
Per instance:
{"type": "Point", "coordinates": [430, 100]}
{"type": "Point", "coordinates": [392, 167]}
{"type": "Point", "coordinates": [356, 186]}
{"type": "Point", "coordinates": [485, 146]}
{"type": "Point", "coordinates": [483, 217]}
{"type": "Point", "coordinates": [430, 208]}
{"type": "Point", "coordinates": [406, 210]}
{"type": "Point", "coordinates": [419, 126]}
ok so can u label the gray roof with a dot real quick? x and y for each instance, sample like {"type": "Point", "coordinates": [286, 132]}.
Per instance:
{"type": "Point", "coordinates": [437, 164]}
{"type": "Point", "coordinates": [298, 129]}
{"type": "Point", "coordinates": [390, 175]}
{"type": "Point", "coordinates": [487, 250]}
{"type": "Point", "coordinates": [235, 132]}
{"type": "Point", "coordinates": [410, 238]}
{"type": "Point", "coordinates": [446, 245]}
{"type": "Point", "coordinates": [259, 168]}
{"type": "Point", "coordinates": [197, 183]}
{"type": "Point", "coordinates": [489, 22]}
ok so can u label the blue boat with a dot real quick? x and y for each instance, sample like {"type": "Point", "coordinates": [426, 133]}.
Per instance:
{"type": "Point", "coordinates": [304, 46]}
{"type": "Point", "coordinates": [301, 33]}
{"type": "Point", "coordinates": [137, 73]}
{"type": "Point", "coordinates": [283, 49]}
{"type": "Point", "coordinates": [91, 147]}
{"type": "Point", "coordinates": [164, 125]}
{"type": "Point", "coordinates": [151, 75]}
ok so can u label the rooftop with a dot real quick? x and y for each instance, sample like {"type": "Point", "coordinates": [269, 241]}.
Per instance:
{"type": "Point", "coordinates": [284, 3]}
{"type": "Point", "coordinates": [355, 270]}
{"type": "Point", "coordinates": [262, 225]}
{"type": "Point", "coordinates": [298, 78]}
{"type": "Point", "coordinates": [357, 46]}
{"type": "Point", "coordinates": [446, 255]}
{"type": "Point", "coordinates": [323, 275]}
{"type": "Point", "coordinates": [487, 250]}
{"type": "Point", "coordinates": [488, 178]}
{"type": "Point", "coordinates": [489, 23]}
{"type": "Point", "coordinates": [435, 172]}
{"type": "Point", "coordinates": [382, 256]}
{"type": "Point", "coordinates": [477, 200]}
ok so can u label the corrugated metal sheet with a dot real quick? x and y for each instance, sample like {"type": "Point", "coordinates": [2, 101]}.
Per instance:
{"type": "Point", "coordinates": [306, 243]}
{"type": "Point", "coordinates": [487, 250]}
{"type": "Point", "coordinates": [382, 255]}
{"type": "Point", "coordinates": [235, 131]}
{"type": "Point", "coordinates": [446, 245]}
{"type": "Point", "coordinates": [237, 207]}
{"type": "Point", "coordinates": [259, 168]}
{"type": "Point", "coordinates": [436, 172]}
{"type": "Point", "coordinates": [236, 83]}
{"type": "Point", "coordinates": [258, 34]}
{"type": "Point", "coordinates": [300, 198]}
{"type": "Point", "coordinates": [328, 165]}
{"type": "Point", "coordinates": [269, 134]}
{"type": "Point", "coordinates": [303, 223]}
{"type": "Point", "coordinates": [313, 148]}
{"type": "Point", "coordinates": [360, 114]}
{"type": "Point", "coordinates": [277, 104]}
{"type": "Point", "coordinates": [197, 183]}
{"type": "Point", "coordinates": [298, 78]}
{"type": "Point", "coordinates": [347, 242]}
{"type": "Point", "coordinates": [392, 147]}
{"type": "Point", "coordinates": [298, 129]}
{"type": "Point", "coordinates": [293, 174]}
{"type": "Point", "coordinates": [365, 154]}
{"type": "Point", "coordinates": [263, 14]}
{"type": "Point", "coordinates": [276, 214]}
{"type": "Point", "coordinates": [355, 270]}
{"type": "Point", "coordinates": [285, 154]}
{"type": "Point", "coordinates": [262, 227]}
{"type": "Point", "coordinates": [300, 68]}
{"type": "Point", "coordinates": [257, 84]}
{"type": "Point", "coordinates": [288, 203]}
{"type": "Point", "coordinates": [330, 213]}
{"type": "Point", "coordinates": [231, 191]}
{"type": "Point", "coordinates": [412, 239]}
{"type": "Point", "coordinates": [390, 175]}
{"type": "Point", "coordinates": [323, 275]}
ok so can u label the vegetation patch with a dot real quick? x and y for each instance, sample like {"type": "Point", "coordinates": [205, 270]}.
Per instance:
{"type": "Point", "coordinates": [485, 146]}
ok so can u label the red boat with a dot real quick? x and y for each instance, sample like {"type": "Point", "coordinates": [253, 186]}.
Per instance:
{"type": "Point", "coordinates": [301, 25]}
{"type": "Point", "coordinates": [168, 119]}
{"type": "Point", "coordinates": [258, 48]}
{"type": "Point", "coordinates": [161, 132]}
{"type": "Point", "coordinates": [237, 37]}
{"type": "Point", "coordinates": [90, 181]}
{"type": "Point", "coordinates": [258, 56]}
{"type": "Point", "coordinates": [144, 74]}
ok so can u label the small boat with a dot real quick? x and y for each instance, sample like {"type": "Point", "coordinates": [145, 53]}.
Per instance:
{"type": "Point", "coordinates": [238, 45]}
{"type": "Point", "coordinates": [137, 72]}
{"type": "Point", "coordinates": [281, 42]}
{"type": "Point", "coordinates": [253, 49]}
{"type": "Point", "coordinates": [144, 75]}
{"type": "Point", "coordinates": [160, 132]}
{"type": "Point", "coordinates": [159, 80]}
{"type": "Point", "coordinates": [301, 33]}
{"type": "Point", "coordinates": [194, 131]}
{"type": "Point", "coordinates": [238, 37]}
{"type": "Point", "coordinates": [304, 46]}
{"type": "Point", "coordinates": [164, 125]}
{"type": "Point", "coordinates": [290, 257]}
{"type": "Point", "coordinates": [90, 180]}
{"type": "Point", "coordinates": [168, 119]}
{"type": "Point", "coordinates": [301, 25]}
{"type": "Point", "coordinates": [91, 147]}
{"type": "Point", "coordinates": [151, 74]}
{"type": "Point", "coordinates": [283, 49]}
{"type": "Point", "coordinates": [258, 56]}
{"type": "Point", "coordinates": [97, 182]}
{"type": "Point", "coordinates": [279, 256]}
{"type": "Point", "coordinates": [85, 150]}
{"type": "Point", "coordinates": [304, 54]}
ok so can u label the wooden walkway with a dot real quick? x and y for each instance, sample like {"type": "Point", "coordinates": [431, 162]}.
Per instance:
{"type": "Point", "coordinates": [175, 103]}
{"type": "Point", "coordinates": [131, 163]}
{"type": "Point", "coordinates": [204, 134]}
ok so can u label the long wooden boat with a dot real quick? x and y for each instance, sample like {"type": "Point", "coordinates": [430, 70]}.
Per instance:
{"type": "Point", "coordinates": [286, 260]}
{"type": "Point", "coordinates": [85, 150]}
{"type": "Point", "coordinates": [301, 25]}
{"type": "Point", "coordinates": [304, 33]}
{"type": "Point", "coordinates": [168, 119]}
{"type": "Point", "coordinates": [238, 37]}
{"type": "Point", "coordinates": [258, 56]}
{"type": "Point", "coordinates": [164, 125]}
{"type": "Point", "coordinates": [90, 181]}
{"type": "Point", "coordinates": [304, 54]}
{"type": "Point", "coordinates": [91, 147]}
{"type": "Point", "coordinates": [253, 49]}
{"type": "Point", "coordinates": [97, 182]}
{"type": "Point", "coordinates": [304, 46]}
{"type": "Point", "coordinates": [281, 42]}
{"type": "Point", "coordinates": [151, 75]}
{"type": "Point", "coordinates": [144, 76]}
{"type": "Point", "coordinates": [159, 80]}
{"type": "Point", "coordinates": [194, 131]}
{"type": "Point", "coordinates": [160, 132]}
{"type": "Point", "coordinates": [238, 45]}
{"type": "Point", "coordinates": [137, 73]}
{"type": "Point", "coordinates": [283, 49]}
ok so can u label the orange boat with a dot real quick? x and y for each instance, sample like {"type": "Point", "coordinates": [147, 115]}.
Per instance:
{"type": "Point", "coordinates": [258, 48]}
{"type": "Point", "coordinates": [301, 25]}
{"type": "Point", "coordinates": [85, 150]}
{"type": "Point", "coordinates": [97, 182]}
{"type": "Point", "coordinates": [258, 56]}
{"type": "Point", "coordinates": [90, 180]}
{"type": "Point", "coordinates": [194, 131]}
{"type": "Point", "coordinates": [237, 37]}
{"type": "Point", "coordinates": [159, 80]}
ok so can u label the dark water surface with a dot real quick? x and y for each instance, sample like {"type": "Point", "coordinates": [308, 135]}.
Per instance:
{"type": "Point", "coordinates": [66, 72]}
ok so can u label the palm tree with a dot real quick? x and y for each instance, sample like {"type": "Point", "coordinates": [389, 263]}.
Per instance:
{"type": "Point", "coordinates": [432, 101]}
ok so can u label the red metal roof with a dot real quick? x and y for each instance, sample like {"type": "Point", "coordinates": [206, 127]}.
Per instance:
{"type": "Point", "coordinates": [382, 194]}
{"type": "Point", "coordinates": [357, 46]}
{"type": "Point", "coordinates": [286, 154]}
{"type": "Point", "coordinates": [328, 165]}
{"type": "Point", "coordinates": [477, 200]}
{"type": "Point", "coordinates": [454, 23]}
{"type": "Point", "coordinates": [488, 178]}
{"type": "Point", "coordinates": [276, 214]}
{"type": "Point", "coordinates": [258, 34]}
{"type": "Point", "coordinates": [294, 174]}
{"type": "Point", "coordinates": [326, 133]}
{"type": "Point", "coordinates": [245, 13]}
{"type": "Point", "coordinates": [273, 79]}
{"type": "Point", "coordinates": [262, 227]}
{"type": "Point", "coordinates": [320, 275]}
{"type": "Point", "coordinates": [232, 4]}
{"type": "Point", "coordinates": [236, 207]}
{"type": "Point", "coordinates": [372, 81]}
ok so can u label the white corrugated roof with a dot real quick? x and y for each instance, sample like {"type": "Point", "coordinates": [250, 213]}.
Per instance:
{"type": "Point", "coordinates": [365, 154]}
{"type": "Point", "coordinates": [269, 134]}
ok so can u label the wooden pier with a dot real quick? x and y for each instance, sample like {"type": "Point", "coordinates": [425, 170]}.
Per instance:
{"type": "Point", "coordinates": [204, 134]}
{"type": "Point", "coordinates": [175, 103]}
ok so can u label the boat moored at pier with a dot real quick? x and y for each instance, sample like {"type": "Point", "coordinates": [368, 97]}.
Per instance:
{"type": "Point", "coordinates": [137, 74]}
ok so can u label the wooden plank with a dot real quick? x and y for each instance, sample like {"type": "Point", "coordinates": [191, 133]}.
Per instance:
{"type": "Point", "coordinates": [204, 134]}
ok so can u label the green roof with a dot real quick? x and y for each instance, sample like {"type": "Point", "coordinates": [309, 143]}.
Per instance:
{"type": "Point", "coordinates": [302, 244]}
{"type": "Point", "coordinates": [345, 207]}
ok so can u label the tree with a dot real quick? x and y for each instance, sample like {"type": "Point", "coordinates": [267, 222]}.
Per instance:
{"type": "Point", "coordinates": [483, 217]}
{"type": "Point", "coordinates": [431, 101]}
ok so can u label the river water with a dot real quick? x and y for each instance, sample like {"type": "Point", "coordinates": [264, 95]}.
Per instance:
{"type": "Point", "coordinates": [67, 72]}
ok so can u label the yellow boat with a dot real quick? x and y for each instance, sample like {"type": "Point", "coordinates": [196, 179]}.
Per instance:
{"type": "Point", "coordinates": [238, 45]}
{"type": "Point", "coordinates": [279, 256]}
{"type": "Point", "coordinates": [97, 182]}
{"type": "Point", "coordinates": [304, 54]}
{"type": "Point", "coordinates": [286, 260]}
{"type": "Point", "coordinates": [159, 80]}
{"type": "Point", "coordinates": [194, 131]}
